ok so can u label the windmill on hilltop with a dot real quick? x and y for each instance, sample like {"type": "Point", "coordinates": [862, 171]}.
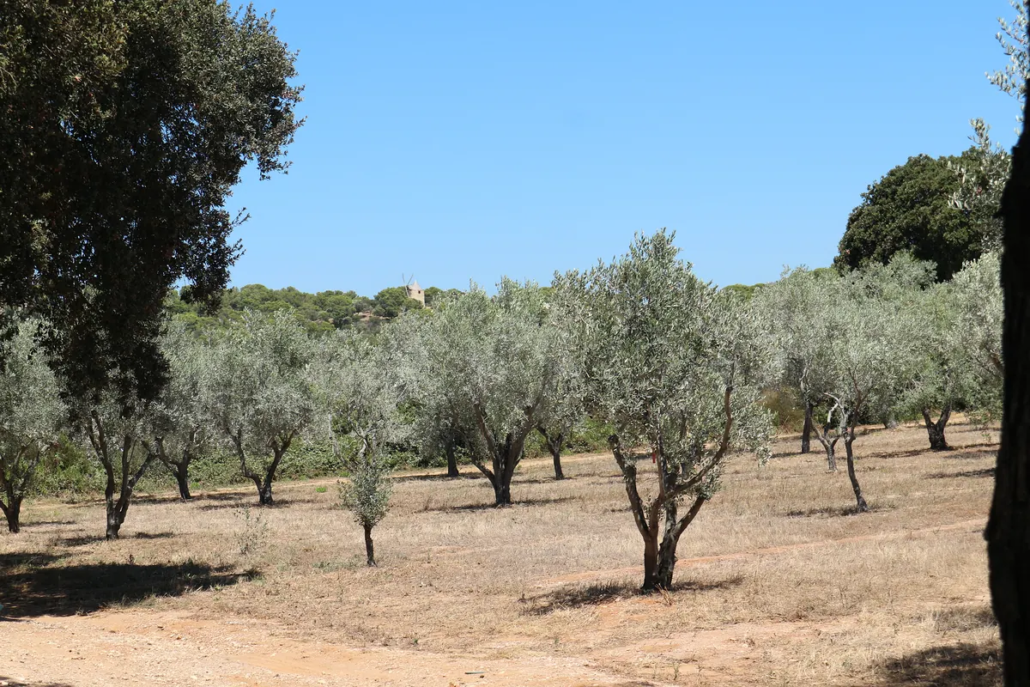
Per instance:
{"type": "Point", "coordinates": [413, 290]}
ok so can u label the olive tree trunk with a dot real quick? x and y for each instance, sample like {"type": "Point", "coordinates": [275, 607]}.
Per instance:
{"type": "Point", "coordinates": [935, 430]}
{"type": "Point", "coordinates": [121, 479]}
{"type": "Point", "coordinates": [452, 460]}
{"type": "Point", "coordinates": [263, 479]}
{"type": "Point", "coordinates": [849, 440]}
{"type": "Point", "coordinates": [12, 511]}
{"type": "Point", "coordinates": [829, 445]}
{"type": "Point", "coordinates": [370, 551]}
{"type": "Point", "coordinates": [555, 444]}
{"type": "Point", "coordinates": [806, 432]}
{"type": "Point", "coordinates": [15, 475]}
{"type": "Point", "coordinates": [504, 455]}
{"type": "Point", "coordinates": [1008, 528]}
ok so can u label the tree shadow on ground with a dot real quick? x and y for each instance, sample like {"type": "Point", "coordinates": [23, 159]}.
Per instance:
{"type": "Point", "coordinates": [986, 472]}
{"type": "Point", "coordinates": [439, 477]}
{"type": "Point", "coordinates": [490, 506]}
{"type": "Point", "coordinates": [957, 665]}
{"type": "Point", "coordinates": [46, 523]}
{"type": "Point", "coordinates": [32, 560]}
{"type": "Point", "coordinates": [609, 592]}
{"type": "Point", "coordinates": [10, 682]}
{"type": "Point", "coordinates": [80, 540]}
{"type": "Point", "coordinates": [75, 589]}
{"type": "Point", "coordinates": [832, 511]}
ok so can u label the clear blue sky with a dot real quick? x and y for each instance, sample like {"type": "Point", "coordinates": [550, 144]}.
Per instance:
{"type": "Point", "coordinates": [471, 140]}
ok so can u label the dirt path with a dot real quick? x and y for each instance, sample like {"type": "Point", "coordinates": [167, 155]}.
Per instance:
{"type": "Point", "coordinates": [171, 648]}
{"type": "Point", "coordinates": [592, 575]}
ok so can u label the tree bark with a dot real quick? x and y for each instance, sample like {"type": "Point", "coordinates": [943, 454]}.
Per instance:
{"type": "Point", "coordinates": [554, 445]}
{"type": "Point", "coordinates": [806, 433]}
{"type": "Point", "coordinates": [12, 511]}
{"type": "Point", "coordinates": [370, 551]}
{"type": "Point", "coordinates": [452, 460]}
{"type": "Point", "coordinates": [935, 430]}
{"type": "Point", "coordinates": [861, 506]}
{"type": "Point", "coordinates": [1008, 528]}
{"type": "Point", "coordinates": [830, 445]}
{"type": "Point", "coordinates": [183, 480]}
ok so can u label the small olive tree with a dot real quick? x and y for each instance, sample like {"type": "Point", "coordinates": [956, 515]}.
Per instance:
{"type": "Point", "coordinates": [117, 430]}
{"type": "Point", "coordinates": [361, 392]}
{"type": "Point", "coordinates": [676, 368]}
{"type": "Point", "coordinates": [796, 309]}
{"type": "Point", "coordinates": [260, 394]}
{"type": "Point", "coordinates": [31, 418]}
{"type": "Point", "coordinates": [870, 353]}
{"type": "Point", "coordinates": [488, 365]}
{"type": "Point", "coordinates": [977, 297]}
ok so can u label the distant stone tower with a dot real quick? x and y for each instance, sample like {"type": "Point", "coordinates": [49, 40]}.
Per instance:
{"type": "Point", "coordinates": [415, 291]}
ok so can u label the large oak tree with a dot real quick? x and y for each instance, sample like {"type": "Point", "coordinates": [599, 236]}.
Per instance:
{"type": "Point", "coordinates": [124, 126]}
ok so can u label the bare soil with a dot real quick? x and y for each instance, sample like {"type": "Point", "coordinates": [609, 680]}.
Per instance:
{"type": "Point", "coordinates": [778, 582]}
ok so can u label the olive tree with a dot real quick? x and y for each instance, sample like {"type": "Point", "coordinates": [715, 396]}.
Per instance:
{"type": "Point", "coordinates": [870, 351]}
{"type": "Point", "coordinates": [31, 419]}
{"type": "Point", "coordinates": [117, 431]}
{"type": "Point", "coordinates": [796, 307]}
{"type": "Point", "coordinates": [936, 372]}
{"type": "Point", "coordinates": [488, 364]}
{"type": "Point", "coordinates": [361, 392]}
{"type": "Point", "coordinates": [977, 297]}
{"type": "Point", "coordinates": [259, 395]}
{"type": "Point", "coordinates": [677, 369]}
{"type": "Point", "coordinates": [180, 426]}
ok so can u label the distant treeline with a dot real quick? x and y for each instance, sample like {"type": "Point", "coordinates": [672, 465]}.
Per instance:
{"type": "Point", "coordinates": [322, 311]}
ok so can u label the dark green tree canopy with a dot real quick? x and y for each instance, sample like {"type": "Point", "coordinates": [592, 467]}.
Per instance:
{"type": "Point", "coordinates": [911, 209]}
{"type": "Point", "coordinates": [124, 126]}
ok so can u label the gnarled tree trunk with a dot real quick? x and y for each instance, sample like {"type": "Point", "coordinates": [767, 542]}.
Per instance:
{"type": "Point", "coordinates": [849, 439]}
{"type": "Point", "coordinates": [830, 445]}
{"type": "Point", "coordinates": [1008, 529]}
{"type": "Point", "coordinates": [263, 482]}
{"type": "Point", "coordinates": [806, 432]}
{"type": "Point", "coordinates": [935, 430]}
{"type": "Point", "coordinates": [182, 479]}
{"type": "Point", "coordinates": [12, 511]}
{"type": "Point", "coordinates": [504, 456]}
{"type": "Point", "coordinates": [554, 445]}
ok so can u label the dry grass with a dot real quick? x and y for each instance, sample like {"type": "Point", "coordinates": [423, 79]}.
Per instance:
{"type": "Point", "coordinates": [778, 582]}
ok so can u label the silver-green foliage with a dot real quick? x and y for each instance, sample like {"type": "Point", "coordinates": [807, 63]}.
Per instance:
{"type": "Point", "coordinates": [487, 366]}
{"type": "Point", "coordinates": [359, 384]}
{"type": "Point", "coordinates": [677, 368]}
{"type": "Point", "coordinates": [31, 418]}
{"type": "Point", "coordinates": [260, 394]}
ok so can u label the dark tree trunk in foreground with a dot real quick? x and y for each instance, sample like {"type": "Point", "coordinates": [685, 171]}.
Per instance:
{"type": "Point", "coordinates": [182, 478]}
{"type": "Point", "coordinates": [555, 444]}
{"type": "Point", "coordinates": [12, 511]}
{"type": "Point", "coordinates": [849, 439]}
{"type": "Point", "coordinates": [935, 430]}
{"type": "Point", "coordinates": [1008, 529]}
{"type": "Point", "coordinates": [806, 433]}
{"type": "Point", "coordinates": [370, 551]}
{"type": "Point", "coordinates": [452, 460]}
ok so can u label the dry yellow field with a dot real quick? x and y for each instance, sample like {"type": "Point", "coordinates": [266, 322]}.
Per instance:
{"type": "Point", "coordinates": [777, 582]}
